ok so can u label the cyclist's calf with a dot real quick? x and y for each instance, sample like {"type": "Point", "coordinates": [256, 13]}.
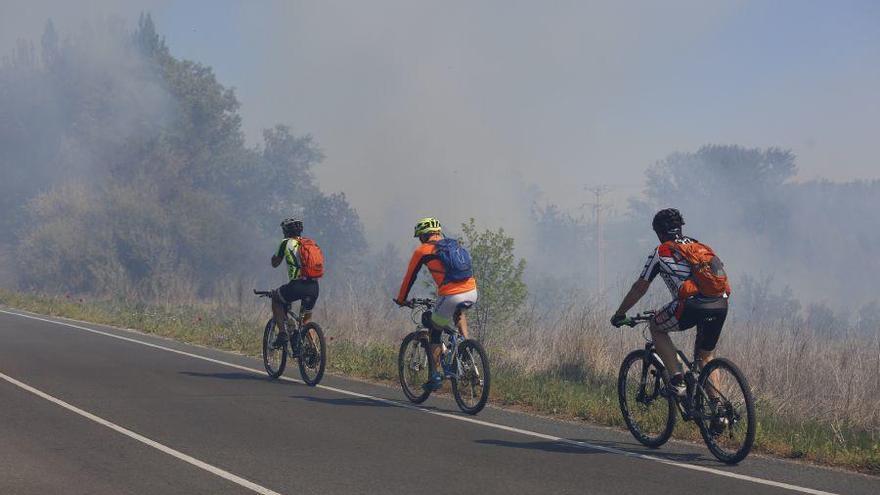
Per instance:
{"type": "Point", "coordinates": [437, 326]}
{"type": "Point", "coordinates": [279, 312]}
{"type": "Point", "coordinates": [666, 348]}
{"type": "Point", "coordinates": [461, 322]}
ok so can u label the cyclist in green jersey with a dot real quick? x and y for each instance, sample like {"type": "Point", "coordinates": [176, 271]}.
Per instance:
{"type": "Point", "coordinates": [299, 288]}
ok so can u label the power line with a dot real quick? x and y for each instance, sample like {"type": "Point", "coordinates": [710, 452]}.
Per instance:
{"type": "Point", "coordinates": [600, 205]}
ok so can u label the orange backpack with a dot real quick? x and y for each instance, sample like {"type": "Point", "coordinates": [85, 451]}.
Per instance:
{"type": "Point", "coordinates": [708, 277]}
{"type": "Point", "coordinates": [312, 259]}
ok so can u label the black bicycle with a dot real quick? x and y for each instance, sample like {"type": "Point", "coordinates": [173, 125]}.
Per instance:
{"type": "Point", "coordinates": [463, 361]}
{"type": "Point", "coordinates": [306, 342]}
{"type": "Point", "coordinates": [718, 399]}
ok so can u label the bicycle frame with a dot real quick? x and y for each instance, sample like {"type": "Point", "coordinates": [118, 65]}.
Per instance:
{"type": "Point", "coordinates": [685, 405]}
{"type": "Point", "coordinates": [449, 362]}
{"type": "Point", "coordinates": [451, 357]}
{"type": "Point", "coordinates": [297, 318]}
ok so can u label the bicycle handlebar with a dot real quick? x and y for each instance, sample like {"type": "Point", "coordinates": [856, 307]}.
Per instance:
{"type": "Point", "coordinates": [412, 303]}
{"type": "Point", "coordinates": [643, 317]}
{"type": "Point", "coordinates": [422, 302]}
{"type": "Point", "coordinates": [263, 293]}
{"type": "Point", "coordinates": [647, 315]}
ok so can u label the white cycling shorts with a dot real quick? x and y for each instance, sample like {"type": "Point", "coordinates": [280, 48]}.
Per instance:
{"type": "Point", "coordinates": [446, 306]}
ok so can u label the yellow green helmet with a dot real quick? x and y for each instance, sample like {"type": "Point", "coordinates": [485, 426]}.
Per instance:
{"type": "Point", "coordinates": [427, 225]}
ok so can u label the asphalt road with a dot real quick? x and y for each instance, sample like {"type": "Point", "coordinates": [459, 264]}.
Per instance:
{"type": "Point", "coordinates": [98, 410]}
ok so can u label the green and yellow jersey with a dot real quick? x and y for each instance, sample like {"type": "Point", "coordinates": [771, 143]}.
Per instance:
{"type": "Point", "coordinates": [289, 249]}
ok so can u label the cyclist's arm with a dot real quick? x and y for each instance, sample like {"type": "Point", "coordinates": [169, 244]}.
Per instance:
{"type": "Point", "coordinates": [412, 272]}
{"type": "Point", "coordinates": [640, 287]}
{"type": "Point", "coordinates": [278, 257]}
{"type": "Point", "coordinates": [636, 292]}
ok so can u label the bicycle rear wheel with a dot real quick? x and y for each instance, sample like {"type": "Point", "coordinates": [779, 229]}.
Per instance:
{"type": "Point", "coordinates": [414, 366]}
{"type": "Point", "coordinates": [726, 411]}
{"type": "Point", "coordinates": [649, 415]}
{"type": "Point", "coordinates": [312, 353]}
{"type": "Point", "coordinates": [274, 358]}
{"type": "Point", "coordinates": [471, 387]}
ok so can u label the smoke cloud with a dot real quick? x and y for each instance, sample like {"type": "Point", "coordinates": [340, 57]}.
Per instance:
{"type": "Point", "coordinates": [462, 110]}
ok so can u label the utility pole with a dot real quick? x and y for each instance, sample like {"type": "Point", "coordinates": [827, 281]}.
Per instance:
{"type": "Point", "coordinates": [599, 206]}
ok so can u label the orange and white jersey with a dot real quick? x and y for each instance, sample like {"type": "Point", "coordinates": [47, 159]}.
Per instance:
{"type": "Point", "coordinates": [670, 265]}
{"type": "Point", "coordinates": [425, 255]}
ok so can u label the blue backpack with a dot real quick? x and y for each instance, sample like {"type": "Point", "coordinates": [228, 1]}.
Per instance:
{"type": "Point", "coordinates": [455, 258]}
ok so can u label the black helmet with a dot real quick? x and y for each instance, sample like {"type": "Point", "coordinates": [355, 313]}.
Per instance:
{"type": "Point", "coordinates": [668, 222]}
{"type": "Point", "coordinates": [292, 227]}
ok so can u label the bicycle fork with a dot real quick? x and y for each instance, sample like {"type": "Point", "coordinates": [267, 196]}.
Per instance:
{"type": "Point", "coordinates": [652, 369]}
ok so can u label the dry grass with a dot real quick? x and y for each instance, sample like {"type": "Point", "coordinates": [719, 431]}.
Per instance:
{"type": "Point", "coordinates": [793, 369]}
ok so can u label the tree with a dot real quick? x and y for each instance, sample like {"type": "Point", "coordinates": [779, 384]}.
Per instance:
{"type": "Point", "coordinates": [283, 185]}
{"type": "Point", "coordinates": [818, 237]}
{"type": "Point", "coordinates": [743, 182]}
{"type": "Point", "coordinates": [756, 300]}
{"type": "Point", "coordinates": [127, 168]}
{"type": "Point", "coordinates": [868, 322]}
{"type": "Point", "coordinates": [499, 275]}
{"type": "Point", "coordinates": [146, 38]}
{"type": "Point", "coordinates": [49, 44]}
{"type": "Point", "coordinates": [563, 236]}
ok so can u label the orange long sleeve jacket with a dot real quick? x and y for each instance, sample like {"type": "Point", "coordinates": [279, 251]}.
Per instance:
{"type": "Point", "coordinates": [424, 255]}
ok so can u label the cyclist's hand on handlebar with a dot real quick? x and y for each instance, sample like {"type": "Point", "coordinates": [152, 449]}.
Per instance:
{"type": "Point", "coordinates": [402, 303]}
{"type": "Point", "coordinates": [621, 320]}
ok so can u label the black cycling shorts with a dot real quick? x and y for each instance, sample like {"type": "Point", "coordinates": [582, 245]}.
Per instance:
{"type": "Point", "coordinates": [707, 314]}
{"type": "Point", "coordinates": [300, 290]}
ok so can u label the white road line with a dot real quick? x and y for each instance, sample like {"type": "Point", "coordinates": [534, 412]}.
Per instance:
{"type": "Point", "coordinates": [535, 434]}
{"type": "Point", "coordinates": [144, 440]}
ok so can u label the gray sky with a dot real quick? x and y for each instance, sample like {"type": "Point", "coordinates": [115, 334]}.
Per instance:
{"type": "Point", "coordinates": [456, 108]}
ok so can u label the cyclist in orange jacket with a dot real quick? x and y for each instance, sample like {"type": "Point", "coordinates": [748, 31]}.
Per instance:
{"type": "Point", "coordinates": [454, 296]}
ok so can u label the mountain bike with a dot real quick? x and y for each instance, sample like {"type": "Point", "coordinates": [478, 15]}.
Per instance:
{"type": "Point", "coordinates": [463, 362]}
{"type": "Point", "coordinates": [718, 399]}
{"type": "Point", "coordinates": [306, 342]}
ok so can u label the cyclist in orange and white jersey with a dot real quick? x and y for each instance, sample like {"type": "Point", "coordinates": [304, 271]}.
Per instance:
{"type": "Point", "coordinates": [685, 310]}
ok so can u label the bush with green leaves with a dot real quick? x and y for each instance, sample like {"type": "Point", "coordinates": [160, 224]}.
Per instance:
{"type": "Point", "coordinates": [499, 275]}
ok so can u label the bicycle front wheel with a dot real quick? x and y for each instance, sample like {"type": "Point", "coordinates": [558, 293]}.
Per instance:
{"type": "Point", "coordinates": [649, 415]}
{"type": "Point", "coordinates": [414, 366]}
{"type": "Point", "coordinates": [312, 353]}
{"type": "Point", "coordinates": [471, 387]}
{"type": "Point", "coordinates": [274, 358]}
{"type": "Point", "coordinates": [726, 411]}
